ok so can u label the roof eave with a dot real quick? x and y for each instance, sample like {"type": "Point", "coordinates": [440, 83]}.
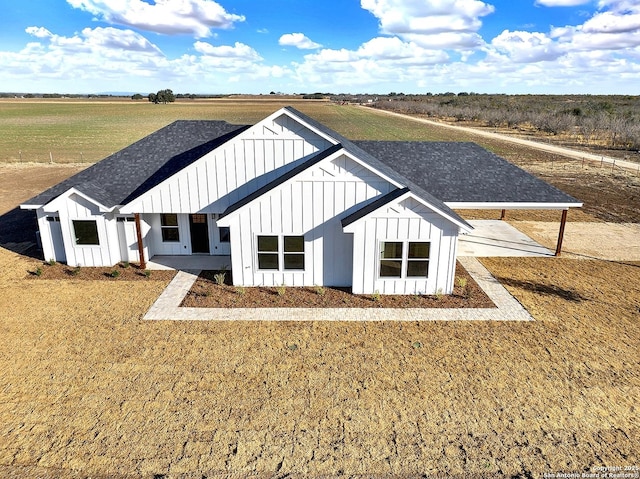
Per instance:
{"type": "Point", "coordinates": [509, 205]}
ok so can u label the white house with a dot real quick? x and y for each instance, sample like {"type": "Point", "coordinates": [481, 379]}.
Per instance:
{"type": "Point", "coordinates": [290, 201]}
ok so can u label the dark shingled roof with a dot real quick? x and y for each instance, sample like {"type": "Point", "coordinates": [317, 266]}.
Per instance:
{"type": "Point", "coordinates": [463, 172]}
{"type": "Point", "coordinates": [388, 170]}
{"type": "Point", "coordinates": [130, 172]}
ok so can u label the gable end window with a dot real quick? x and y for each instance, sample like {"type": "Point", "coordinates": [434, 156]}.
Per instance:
{"type": "Point", "coordinates": [86, 232]}
{"type": "Point", "coordinates": [169, 224]}
{"type": "Point", "coordinates": [280, 252]}
{"type": "Point", "coordinates": [404, 259]}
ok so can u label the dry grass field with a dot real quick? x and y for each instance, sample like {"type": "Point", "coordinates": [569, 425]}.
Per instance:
{"type": "Point", "coordinates": [88, 389]}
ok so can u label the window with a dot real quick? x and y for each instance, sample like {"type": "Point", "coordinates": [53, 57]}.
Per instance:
{"type": "Point", "coordinates": [400, 259]}
{"type": "Point", "coordinates": [122, 219]}
{"type": "Point", "coordinates": [86, 232]}
{"type": "Point", "coordinates": [170, 231]}
{"type": "Point", "coordinates": [391, 259]}
{"type": "Point", "coordinates": [287, 251]}
{"type": "Point", "coordinates": [294, 252]}
{"type": "Point", "coordinates": [268, 252]}
{"type": "Point", "coordinates": [225, 234]}
{"type": "Point", "coordinates": [55, 219]}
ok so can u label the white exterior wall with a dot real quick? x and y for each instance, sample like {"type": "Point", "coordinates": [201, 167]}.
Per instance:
{"type": "Point", "coordinates": [107, 253]}
{"type": "Point", "coordinates": [236, 169]}
{"type": "Point", "coordinates": [406, 221]}
{"type": "Point", "coordinates": [159, 247]}
{"type": "Point", "coordinates": [312, 205]}
{"type": "Point", "coordinates": [51, 236]}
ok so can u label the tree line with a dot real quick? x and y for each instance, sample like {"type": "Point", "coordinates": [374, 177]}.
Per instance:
{"type": "Point", "coordinates": [608, 121]}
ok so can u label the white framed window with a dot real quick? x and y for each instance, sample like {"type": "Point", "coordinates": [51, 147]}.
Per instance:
{"type": "Point", "coordinates": [170, 229]}
{"type": "Point", "coordinates": [86, 232]}
{"type": "Point", "coordinates": [404, 259]}
{"type": "Point", "coordinates": [280, 253]}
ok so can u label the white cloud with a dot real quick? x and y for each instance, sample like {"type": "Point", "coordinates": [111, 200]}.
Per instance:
{"type": "Point", "coordinates": [170, 17]}
{"type": "Point", "coordinates": [239, 50]}
{"type": "Point", "coordinates": [38, 32]}
{"type": "Point", "coordinates": [298, 40]}
{"type": "Point", "coordinates": [525, 47]}
{"type": "Point", "coordinates": [562, 3]}
{"type": "Point", "coordinates": [431, 23]}
{"type": "Point", "coordinates": [380, 61]}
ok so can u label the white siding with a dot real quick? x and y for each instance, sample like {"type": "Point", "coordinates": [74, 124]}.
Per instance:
{"type": "Point", "coordinates": [233, 171]}
{"type": "Point", "coordinates": [312, 205]}
{"type": "Point", "coordinates": [51, 239]}
{"type": "Point", "coordinates": [160, 247]}
{"type": "Point", "coordinates": [104, 254]}
{"type": "Point", "coordinates": [407, 220]}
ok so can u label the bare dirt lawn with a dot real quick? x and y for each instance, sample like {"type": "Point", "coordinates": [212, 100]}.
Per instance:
{"type": "Point", "coordinates": [88, 389]}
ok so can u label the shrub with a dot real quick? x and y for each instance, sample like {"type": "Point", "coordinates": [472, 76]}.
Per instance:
{"type": "Point", "coordinates": [115, 273]}
{"type": "Point", "coordinates": [281, 290]}
{"type": "Point", "coordinates": [38, 271]}
{"type": "Point", "coordinates": [376, 296]}
{"type": "Point", "coordinates": [75, 271]}
{"type": "Point", "coordinates": [241, 290]}
{"type": "Point", "coordinates": [51, 262]}
{"type": "Point", "coordinates": [320, 290]}
{"type": "Point", "coordinates": [147, 273]}
{"type": "Point", "coordinates": [219, 278]}
{"type": "Point", "coordinates": [125, 264]}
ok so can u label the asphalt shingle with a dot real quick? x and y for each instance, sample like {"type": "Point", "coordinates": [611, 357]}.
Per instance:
{"type": "Point", "coordinates": [463, 172]}
{"type": "Point", "coordinates": [130, 172]}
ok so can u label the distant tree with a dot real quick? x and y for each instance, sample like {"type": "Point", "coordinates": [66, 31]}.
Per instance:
{"type": "Point", "coordinates": [137, 96]}
{"type": "Point", "coordinates": [163, 96]}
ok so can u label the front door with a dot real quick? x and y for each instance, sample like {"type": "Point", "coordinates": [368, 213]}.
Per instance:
{"type": "Point", "coordinates": [199, 233]}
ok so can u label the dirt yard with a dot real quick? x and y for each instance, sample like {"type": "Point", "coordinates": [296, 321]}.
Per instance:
{"type": "Point", "coordinates": [87, 389]}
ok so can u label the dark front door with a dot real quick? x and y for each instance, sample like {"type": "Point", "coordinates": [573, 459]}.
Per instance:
{"type": "Point", "coordinates": [199, 233]}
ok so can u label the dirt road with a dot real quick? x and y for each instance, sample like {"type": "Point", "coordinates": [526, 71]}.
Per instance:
{"type": "Point", "coordinates": [567, 152]}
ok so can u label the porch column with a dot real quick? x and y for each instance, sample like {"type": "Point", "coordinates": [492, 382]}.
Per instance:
{"type": "Point", "coordinates": [563, 222]}
{"type": "Point", "coordinates": [143, 263]}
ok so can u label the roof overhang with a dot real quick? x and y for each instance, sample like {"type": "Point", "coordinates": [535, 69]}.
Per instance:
{"type": "Point", "coordinates": [480, 205]}
{"type": "Point", "coordinates": [462, 225]}
{"type": "Point", "coordinates": [54, 205]}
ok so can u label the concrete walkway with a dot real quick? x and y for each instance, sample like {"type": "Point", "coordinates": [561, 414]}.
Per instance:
{"type": "Point", "coordinates": [167, 306]}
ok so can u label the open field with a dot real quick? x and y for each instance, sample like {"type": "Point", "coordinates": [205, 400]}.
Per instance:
{"type": "Point", "coordinates": [91, 130]}
{"type": "Point", "coordinates": [87, 389]}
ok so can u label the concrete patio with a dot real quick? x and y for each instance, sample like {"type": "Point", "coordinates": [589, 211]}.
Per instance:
{"type": "Point", "coordinates": [498, 238]}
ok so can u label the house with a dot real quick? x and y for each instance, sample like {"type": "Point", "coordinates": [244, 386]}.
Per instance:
{"type": "Point", "coordinates": [289, 200]}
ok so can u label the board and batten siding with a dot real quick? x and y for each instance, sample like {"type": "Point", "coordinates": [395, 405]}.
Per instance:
{"type": "Point", "coordinates": [310, 205]}
{"type": "Point", "coordinates": [405, 221]}
{"type": "Point", "coordinates": [107, 252]}
{"type": "Point", "coordinates": [236, 169]}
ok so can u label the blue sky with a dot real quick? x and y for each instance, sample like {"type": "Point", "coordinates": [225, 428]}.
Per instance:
{"type": "Point", "coordinates": [339, 46]}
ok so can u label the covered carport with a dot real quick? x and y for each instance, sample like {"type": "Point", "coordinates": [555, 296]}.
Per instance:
{"type": "Point", "coordinates": [466, 176]}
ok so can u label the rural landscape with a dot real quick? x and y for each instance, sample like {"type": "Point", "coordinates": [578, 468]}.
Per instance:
{"type": "Point", "coordinates": [90, 389]}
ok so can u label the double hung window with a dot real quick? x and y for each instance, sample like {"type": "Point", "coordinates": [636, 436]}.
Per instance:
{"type": "Point", "coordinates": [169, 225]}
{"type": "Point", "coordinates": [280, 252]}
{"type": "Point", "coordinates": [404, 259]}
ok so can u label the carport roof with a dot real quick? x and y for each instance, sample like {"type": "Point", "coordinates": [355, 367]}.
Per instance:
{"type": "Point", "coordinates": [459, 173]}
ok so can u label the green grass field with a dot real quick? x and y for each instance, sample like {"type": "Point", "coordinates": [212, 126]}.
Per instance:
{"type": "Point", "coordinates": [74, 131]}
